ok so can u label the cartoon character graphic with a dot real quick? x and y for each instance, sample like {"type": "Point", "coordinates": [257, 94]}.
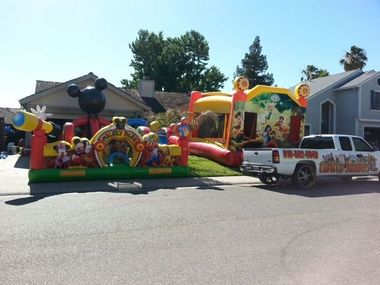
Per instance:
{"type": "Point", "coordinates": [238, 123]}
{"type": "Point", "coordinates": [78, 149]}
{"type": "Point", "coordinates": [280, 125]}
{"type": "Point", "coordinates": [63, 159]}
{"type": "Point", "coordinates": [150, 152]}
{"type": "Point", "coordinates": [88, 157]}
{"type": "Point", "coordinates": [269, 112]}
{"type": "Point", "coordinates": [267, 134]}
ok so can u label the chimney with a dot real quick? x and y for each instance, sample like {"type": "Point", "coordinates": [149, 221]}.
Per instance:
{"type": "Point", "coordinates": [146, 87]}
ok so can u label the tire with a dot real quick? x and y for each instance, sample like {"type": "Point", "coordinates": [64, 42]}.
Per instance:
{"type": "Point", "coordinates": [268, 179]}
{"type": "Point", "coordinates": [304, 176]}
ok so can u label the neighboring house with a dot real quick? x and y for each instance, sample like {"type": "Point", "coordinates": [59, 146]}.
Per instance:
{"type": "Point", "coordinates": [119, 102]}
{"type": "Point", "coordinates": [345, 103]}
{"type": "Point", "coordinates": [6, 115]}
{"type": "Point", "coordinates": [65, 108]}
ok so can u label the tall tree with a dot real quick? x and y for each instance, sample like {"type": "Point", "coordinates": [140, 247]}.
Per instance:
{"type": "Point", "coordinates": [311, 72]}
{"type": "Point", "coordinates": [176, 64]}
{"type": "Point", "coordinates": [354, 59]}
{"type": "Point", "coordinates": [254, 66]}
{"type": "Point", "coordinates": [147, 48]}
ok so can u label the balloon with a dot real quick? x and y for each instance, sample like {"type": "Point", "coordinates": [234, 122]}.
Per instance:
{"type": "Point", "coordinates": [154, 126]}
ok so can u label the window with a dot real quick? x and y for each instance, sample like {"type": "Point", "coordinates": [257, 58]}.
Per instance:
{"type": "Point", "coordinates": [345, 143]}
{"type": "Point", "coordinates": [361, 145]}
{"type": "Point", "coordinates": [375, 100]}
{"type": "Point", "coordinates": [318, 143]}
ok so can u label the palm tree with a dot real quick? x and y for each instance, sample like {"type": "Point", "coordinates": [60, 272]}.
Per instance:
{"type": "Point", "coordinates": [310, 72]}
{"type": "Point", "coordinates": [322, 73]}
{"type": "Point", "coordinates": [354, 59]}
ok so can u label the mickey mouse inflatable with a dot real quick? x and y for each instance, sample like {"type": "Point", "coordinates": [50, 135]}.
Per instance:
{"type": "Point", "coordinates": [92, 101]}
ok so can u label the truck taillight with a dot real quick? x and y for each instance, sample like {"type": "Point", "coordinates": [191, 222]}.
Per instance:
{"type": "Point", "coordinates": [275, 156]}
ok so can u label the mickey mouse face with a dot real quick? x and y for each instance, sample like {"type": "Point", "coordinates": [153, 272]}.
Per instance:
{"type": "Point", "coordinates": [91, 99]}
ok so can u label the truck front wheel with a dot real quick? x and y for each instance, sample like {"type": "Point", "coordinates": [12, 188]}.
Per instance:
{"type": "Point", "coordinates": [304, 176]}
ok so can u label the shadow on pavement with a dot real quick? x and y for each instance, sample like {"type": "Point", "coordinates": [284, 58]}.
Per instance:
{"type": "Point", "coordinates": [328, 187]}
{"type": "Point", "coordinates": [22, 162]}
{"type": "Point", "coordinates": [39, 191]}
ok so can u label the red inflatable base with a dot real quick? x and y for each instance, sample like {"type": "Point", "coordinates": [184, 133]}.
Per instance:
{"type": "Point", "coordinates": [213, 152]}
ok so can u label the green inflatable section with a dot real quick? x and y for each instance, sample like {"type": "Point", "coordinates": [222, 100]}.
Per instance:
{"type": "Point", "coordinates": [105, 173]}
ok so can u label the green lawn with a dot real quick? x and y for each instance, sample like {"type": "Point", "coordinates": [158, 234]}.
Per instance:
{"type": "Point", "coordinates": [202, 167]}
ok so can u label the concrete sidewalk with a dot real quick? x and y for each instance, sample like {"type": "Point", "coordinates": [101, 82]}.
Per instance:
{"type": "Point", "coordinates": [14, 181]}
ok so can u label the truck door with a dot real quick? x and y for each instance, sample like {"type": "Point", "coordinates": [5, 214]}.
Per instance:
{"type": "Point", "coordinates": [345, 156]}
{"type": "Point", "coordinates": [365, 158]}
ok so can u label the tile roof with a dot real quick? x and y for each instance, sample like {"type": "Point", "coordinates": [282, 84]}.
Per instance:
{"type": "Point", "coordinates": [358, 80]}
{"type": "Point", "coordinates": [172, 100]}
{"type": "Point", "coordinates": [43, 85]}
{"type": "Point", "coordinates": [154, 104]}
{"type": "Point", "coordinates": [162, 101]}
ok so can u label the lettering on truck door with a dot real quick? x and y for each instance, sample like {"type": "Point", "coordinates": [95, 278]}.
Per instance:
{"type": "Point", "coordinates": [346, 156]}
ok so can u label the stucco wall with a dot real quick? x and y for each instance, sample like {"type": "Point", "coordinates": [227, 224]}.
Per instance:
{"type": "Point", "coordinates": [346, 111]}
{"type": "Point", "coordinates": [365, 93]}
{"type": "Point", "coordinates": [313, 110]}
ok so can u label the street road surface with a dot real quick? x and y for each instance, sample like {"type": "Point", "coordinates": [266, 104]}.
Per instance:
{"type": "Point", "coordinates": [207, 235]}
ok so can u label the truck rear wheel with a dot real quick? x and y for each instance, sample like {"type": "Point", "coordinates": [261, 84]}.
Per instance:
{"type": "Point", "coordinates": [304, 176]}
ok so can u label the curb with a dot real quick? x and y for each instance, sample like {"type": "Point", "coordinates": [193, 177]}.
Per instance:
{"type": "Point", "coordinates": [126, 186]}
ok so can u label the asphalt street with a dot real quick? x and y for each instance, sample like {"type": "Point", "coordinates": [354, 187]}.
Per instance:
{"type": "Point", "coordinates": [246, 234]}
{"type": "Point", "coordinates": [216, 232]}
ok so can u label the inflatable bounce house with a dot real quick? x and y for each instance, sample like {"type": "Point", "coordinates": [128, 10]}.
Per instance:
{"type": "Point", "coordinates": [93, 148]}
{"type": "Point", "coordinates": [263, 116]}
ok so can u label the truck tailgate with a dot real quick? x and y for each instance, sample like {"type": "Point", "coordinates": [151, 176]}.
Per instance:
{"type": "Point", "coordinates": [262, 156]}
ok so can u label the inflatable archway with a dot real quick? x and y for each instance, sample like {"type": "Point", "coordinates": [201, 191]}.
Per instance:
{"type": "Point", "coordinates": [117, 143]}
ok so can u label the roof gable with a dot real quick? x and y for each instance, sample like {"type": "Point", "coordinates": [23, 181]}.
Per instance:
{"type": "Point", "coordinates": [43, 85]}
{"type": "Point", "coordinates": [317, 85]}
{"type": "Point", "coordinates": [47, 88]}
{"type": "Point", "coordinates": [356, 82]}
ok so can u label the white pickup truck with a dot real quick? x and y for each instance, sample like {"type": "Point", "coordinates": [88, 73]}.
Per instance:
{"type": "Point", "coordinates": [317, 155]}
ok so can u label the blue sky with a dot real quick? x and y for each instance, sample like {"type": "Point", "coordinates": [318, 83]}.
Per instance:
{"type": "Point", "coordinates": [59, 40]}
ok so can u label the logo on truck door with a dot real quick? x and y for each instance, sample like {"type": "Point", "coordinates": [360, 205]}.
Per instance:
{"type": "Point", "coordinates": [308, 154]}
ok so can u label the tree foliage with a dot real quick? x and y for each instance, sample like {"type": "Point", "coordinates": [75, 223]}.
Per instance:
{"type": "Point", "coordinates": [165, 119]}
{"type": "Point", "coordinates": [254, 66]}
{"type": "Point", "coordinates": [311, 72]}
{"type": "Point", "coordinates": [356, 58]}
{"type": "Point", "coordinates": [176, 64]}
